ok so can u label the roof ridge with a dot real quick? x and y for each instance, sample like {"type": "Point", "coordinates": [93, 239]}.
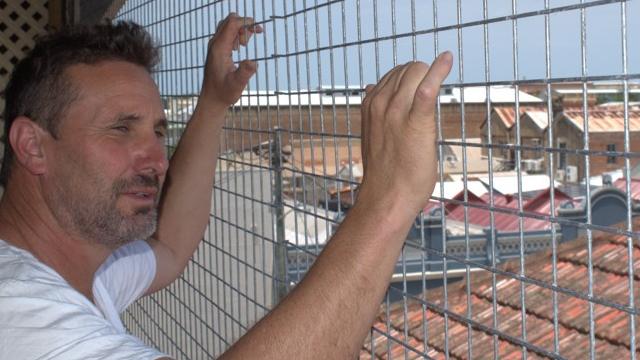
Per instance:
{"type": "Point", "coordinates": [612, 341]}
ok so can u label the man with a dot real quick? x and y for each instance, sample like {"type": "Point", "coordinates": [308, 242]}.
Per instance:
{"type": "Point", "coordinates": [86, 179]}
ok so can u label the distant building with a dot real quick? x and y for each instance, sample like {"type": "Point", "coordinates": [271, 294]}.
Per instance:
{"type": "Point", "coordinates": [326, 112]}
{"type": "Point", "coordinates": [473, 102]}
{"type": "Point", "coordinates": [573, 93]}
{"type": "Point", "coordinates": [465, 156]}
{"type": "Point", "coordinates": [606, 136]}
{"type": "Point", "coordinates": [606, 126]}
{"type": "Point", "coordinates": [316, 170]}
{"type": "Point", "coordinates": [534, 122]}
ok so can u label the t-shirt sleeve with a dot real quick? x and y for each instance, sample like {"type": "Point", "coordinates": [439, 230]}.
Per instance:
{"type": "Point", "coordinates": [42, 317]}
{"type": "Point", "coordinates": [128, 273]}
{"type": "Point", "coordinates": [50, 330]}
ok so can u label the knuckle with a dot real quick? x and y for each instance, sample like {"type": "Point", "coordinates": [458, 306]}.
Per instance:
{"type": "Point", "coordinates": [378, 105]}
{"type": "Point", "coordinates": [366, 101]}
{"type": "Point", "coordinates": [426, 93]}
{"type": "Point", "coordinates": [419, 65]}
{"type": "Point", "coordinates": [396, 105]}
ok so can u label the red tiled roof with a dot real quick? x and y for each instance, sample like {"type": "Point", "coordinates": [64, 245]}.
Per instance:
{"type": "Point", "coordinates": [635, 187]}
{"type": "Point", "coordinates": [507, 220]}
{"type": "Point", "coordinates": [603, 120]}
{"type": "Point", "coordinates": [610, 280]}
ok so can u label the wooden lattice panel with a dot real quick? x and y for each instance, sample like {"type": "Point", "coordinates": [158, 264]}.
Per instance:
{"type": "Point", "coordinates": [20, 22]}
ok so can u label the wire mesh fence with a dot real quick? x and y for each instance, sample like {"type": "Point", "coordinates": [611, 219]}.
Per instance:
{"type": "Point", "coordinates": [529, 244]}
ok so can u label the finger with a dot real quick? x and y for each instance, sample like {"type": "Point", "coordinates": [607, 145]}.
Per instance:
{"type": "Point", "coordinates": [222, 23]}
{"type": "Point", "coordinates": [364, 128]}
{"type": "Point", "coordinates": [241, 76]}
{"type": "Point", "coordinates": [373, 99]}
{"type": "Point", "coordinates": [383, 81]}
{"type": "Point", "coordinates": [385, 92]}
{"type": "Point", "coordinates": [364, 125]}
{"type": "Point", "coordinates": [407, 86]}
{"type": "Point", "coordinates": [427, 91]}
{"type": "Point", "coordinates": [248, 30]}
{"type": "Point", "coordinates": [401, 75]}
{"type": "Point", "coordinates": [228, 34]}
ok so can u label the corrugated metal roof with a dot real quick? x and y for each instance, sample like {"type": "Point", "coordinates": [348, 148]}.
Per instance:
{"type": "Point", "coordinates": [539, 117]}
{"type": "Point", "coordinates": [635, 187]}
{"type": "Point", "coordinates": [603, 120]}
{"type": "Point", "coordinates": [505, 220]}
{"type": "Point", "coordinates": [425, 326]}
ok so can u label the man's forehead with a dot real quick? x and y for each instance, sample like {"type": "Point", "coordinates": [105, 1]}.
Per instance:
{"type": "Point", "coordinates": [111, 74]}
{"type": "Point", "coordinates": [124, 86]}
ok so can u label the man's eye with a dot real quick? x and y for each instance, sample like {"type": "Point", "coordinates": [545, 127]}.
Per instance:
{"type": "Point", "coordinates": [121, 128]}
{"type": "Point", "coordinates": [160, 134]}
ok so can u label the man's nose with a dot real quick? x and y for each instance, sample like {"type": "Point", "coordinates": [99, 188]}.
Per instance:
{"type": "Point", "coordinates": [150, 156]}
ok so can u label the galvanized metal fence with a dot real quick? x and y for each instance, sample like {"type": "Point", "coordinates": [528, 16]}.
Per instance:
{"type": "Point", "coordinates": [529, 245]}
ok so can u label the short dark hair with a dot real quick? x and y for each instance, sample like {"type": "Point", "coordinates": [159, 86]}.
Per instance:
{"type": "Point", "coordinates": [38, 87]}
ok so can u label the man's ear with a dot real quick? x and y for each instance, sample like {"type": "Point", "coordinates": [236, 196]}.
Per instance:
{"type": "Point", "coordinates": [26, 139]}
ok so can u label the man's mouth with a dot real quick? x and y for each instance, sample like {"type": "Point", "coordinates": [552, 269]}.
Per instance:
{"type": "Point", "coordinates": [142, 194]}
{"type": "Point", "coordinates": [141, 190]}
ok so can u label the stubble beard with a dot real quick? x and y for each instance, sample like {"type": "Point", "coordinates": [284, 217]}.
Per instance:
{"type": "Point", "coordinates": [97, 218]}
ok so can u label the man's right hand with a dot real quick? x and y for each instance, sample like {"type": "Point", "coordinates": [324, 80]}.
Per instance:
{"type": "Point", "coordinates": [348, 280]}
{"type": "Point", "coordinates": [399, 135]}
{"type": "Point", "coordinates": [223, 81]}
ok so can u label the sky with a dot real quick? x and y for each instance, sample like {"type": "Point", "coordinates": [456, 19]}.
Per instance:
{"type": "Point", "coordinates": [320, 46]}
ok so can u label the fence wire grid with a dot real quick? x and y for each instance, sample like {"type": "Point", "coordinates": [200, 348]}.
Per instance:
{"type": "Point", "coordinates": [528, 247]}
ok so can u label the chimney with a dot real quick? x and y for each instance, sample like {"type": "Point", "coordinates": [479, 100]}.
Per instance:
{"type": "Point", "coordinates": [557, 105]}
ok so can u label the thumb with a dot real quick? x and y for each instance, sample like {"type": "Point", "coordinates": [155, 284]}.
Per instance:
{"type": "Point", "coordinates": [429, 88]}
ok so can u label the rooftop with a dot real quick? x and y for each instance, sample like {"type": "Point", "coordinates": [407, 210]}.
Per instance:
{"type": "Point", "coordinates": [610, 281]}
{"type": "Point", "coordinates": [353, 95]}
{"type": "Point", "coordinates": [507, 114]}
{"type": "Point", "coordinates": [602, 120]}
{"type": "Point", "coordinates": [535, 210]}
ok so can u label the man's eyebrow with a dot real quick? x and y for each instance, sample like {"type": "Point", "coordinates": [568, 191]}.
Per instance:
{"type": "Point", "coordinates": [127, 117]}
{"type": "Point", "coordinates": [131, 117]}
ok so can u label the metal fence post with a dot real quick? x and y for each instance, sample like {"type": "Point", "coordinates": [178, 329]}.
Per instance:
{"type": "Point", "coordinates": [280, 282]}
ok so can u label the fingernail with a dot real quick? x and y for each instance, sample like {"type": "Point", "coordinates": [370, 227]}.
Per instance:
{"type": "Point", "coordinates": [447, 54]}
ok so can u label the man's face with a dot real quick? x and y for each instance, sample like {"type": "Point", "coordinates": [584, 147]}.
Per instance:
{"type": "Point", "coordinates": [108, 162]}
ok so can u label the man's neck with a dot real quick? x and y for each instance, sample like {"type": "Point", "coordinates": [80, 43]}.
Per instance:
{"type": "Point", "coordinates": [27, 223]}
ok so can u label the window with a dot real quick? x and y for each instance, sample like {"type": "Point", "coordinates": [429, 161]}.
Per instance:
{"type": "Point", "coordinates": [611, 159]}
{"type": "Point", "coordinates": [536, 142]}
{"type": "Point", "coordinates": [562, 158]}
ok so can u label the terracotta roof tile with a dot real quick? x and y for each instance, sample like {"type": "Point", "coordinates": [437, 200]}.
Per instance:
{"type": "Point", "coordinates": [610, 284]}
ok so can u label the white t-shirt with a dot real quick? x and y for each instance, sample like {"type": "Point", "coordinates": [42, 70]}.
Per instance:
{"type": "Point", "coordinates": [43, 317]}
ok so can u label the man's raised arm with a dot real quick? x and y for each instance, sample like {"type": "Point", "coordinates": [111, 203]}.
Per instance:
{"type": "Point", "coordinates": [186, 200]}
{"type": "Point", "coordinates": [328, 314]}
